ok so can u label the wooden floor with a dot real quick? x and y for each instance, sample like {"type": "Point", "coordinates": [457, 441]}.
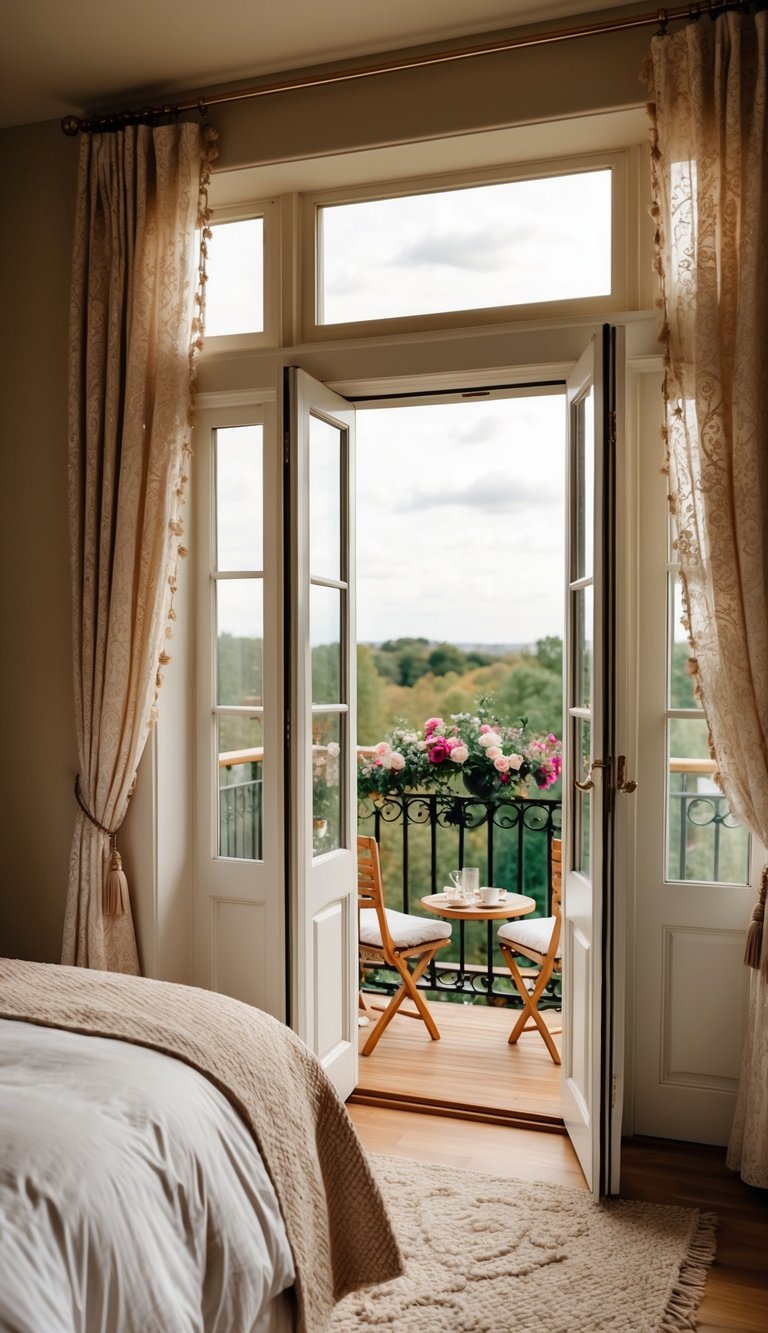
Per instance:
{"type": "Point", "coordinates": [658, 1171]}
{"type": "Point", "coordinates": [471, 1068]}
{"type": "Point", "coordinates": [736, 1293]}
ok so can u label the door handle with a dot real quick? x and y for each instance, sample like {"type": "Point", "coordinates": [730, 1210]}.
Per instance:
{"type": "Point", "coordinates": [588, 784]}
{"type": "Point", "coordinates": [623, 783]}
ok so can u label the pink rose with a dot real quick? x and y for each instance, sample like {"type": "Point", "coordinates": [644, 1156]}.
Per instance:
{"type": "Point", "coordinates": [382, 747]}
{"type": "Point", "coordinates": [431, 724]}
{"type": "Point", "coordinates": [501, 763]}
{"type": "Point", "coordinates": [397, 762]}
{"type": "Point", "coordinates": [459, 754]}
{"type": "Point", "coordinates": [515, 761]}
{"type": "Point", "coordinates": [484, 728]}
{"type": "Point", "coordinates": [439, 751]}
{"type": "Point", "coordinates": [493, 752]}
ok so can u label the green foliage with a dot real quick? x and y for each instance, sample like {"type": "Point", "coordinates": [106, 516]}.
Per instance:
{"type": "Point", "coordinates": [371, 714]}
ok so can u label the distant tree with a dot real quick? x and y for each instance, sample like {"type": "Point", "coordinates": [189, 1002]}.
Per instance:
{"type": "Point", "coordinates": [446, 657]}
{"type": "Point", "coordinates": [549, 654]}
{"type": "Point", "coordinates": [371, 716]}
{"type": "Point", "coordinates": [530, 691]}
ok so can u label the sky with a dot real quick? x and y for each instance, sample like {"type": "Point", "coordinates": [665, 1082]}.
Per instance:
{"type": "Point", "coordinates": [460, 521]}
{"type": "Point", "coordinates": [460, 507]}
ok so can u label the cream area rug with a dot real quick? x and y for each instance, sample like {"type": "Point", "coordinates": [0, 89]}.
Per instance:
{"type": "Point", "coordinates": [486, 1255]}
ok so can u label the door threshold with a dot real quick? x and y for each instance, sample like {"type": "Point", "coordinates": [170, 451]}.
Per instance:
{"type": "Point", "coordinates": [491, 1115]}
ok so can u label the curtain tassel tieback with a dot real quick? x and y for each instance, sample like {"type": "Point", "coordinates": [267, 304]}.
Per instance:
{"type": "Point", "coordinates": [755, 930]}
{"type": "Point", "coordinates": [114, 894]}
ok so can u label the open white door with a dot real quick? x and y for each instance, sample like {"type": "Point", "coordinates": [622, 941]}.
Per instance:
{"type": "Point", "coordinates": [588, 1086]}
{"type": "Point", "coordinates": [321, 734]}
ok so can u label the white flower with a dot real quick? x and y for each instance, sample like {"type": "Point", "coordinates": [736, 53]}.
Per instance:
{"type": "Point", "coordinates": [515, 761]}
{"type": "Point", "coordinates": [396, 762]}
{"type": "Point", "coordinates": [333, 749]}
{"type": "Point", "coordinates": [409, 737]}
{"type": "Point", "coordinates": [489, 738]}
{"type": "Point", "coordinates": [421, 745]}
{"type": "Point", "coordinates": [459, 754]}
{"type": "Point", "coordinates": [493, 752]}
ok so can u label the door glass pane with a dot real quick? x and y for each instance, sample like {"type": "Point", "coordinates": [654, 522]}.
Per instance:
{"type": "Point", "coordinates": [327, 784]}
{"type": "Point", "coordinates": [239, 502]}
{"type": "Point", "coordinates": [324, 499]}
{"type": "Point", "coordinates": [234, 293]}
{"type": "Point", "coordinates": [240, 756]}
{"type": "Point", "coordinates": [507, 243]}
{"type": "Point", "coordinates": [239, 618]}
{"type": "Point", "coordinates": [584, 485]}
{"type": "Point", "coordinates": [582, 806]}
{"type": "Point", "coordinates": [582, 650]}
{"type": "Point", "coordinates": [325, 641]}
{"type": "Point", "coordinates": [704, 841]}
{"type": "Point", "coordinates": [681, 682]}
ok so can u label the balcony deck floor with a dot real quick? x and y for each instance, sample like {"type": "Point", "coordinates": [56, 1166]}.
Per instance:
{"type": "Point", "coordinates": [471, 1069]}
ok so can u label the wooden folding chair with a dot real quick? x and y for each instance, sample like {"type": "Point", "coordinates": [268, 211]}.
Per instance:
{"type": "Point", "coordinates": [392, 939]}
{"type": "Point", "coordinates": [537, 938]}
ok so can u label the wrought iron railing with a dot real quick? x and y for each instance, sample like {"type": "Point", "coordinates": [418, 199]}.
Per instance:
{"type": "Point", "coordinates": [240, 807]}
{"type": "Point", "coordinates": [706, 841]}
{"type": "Point", "coordinates": [423, 836]}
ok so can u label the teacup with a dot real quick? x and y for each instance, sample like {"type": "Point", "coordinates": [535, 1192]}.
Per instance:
{"type": "Point", "coordinates": [489, 896]}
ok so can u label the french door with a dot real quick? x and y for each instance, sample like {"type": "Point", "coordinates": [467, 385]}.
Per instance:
{"type": "Point", "coordinates": [590, 1043]}
{"type": "Point", "coordinates": [321, 734]}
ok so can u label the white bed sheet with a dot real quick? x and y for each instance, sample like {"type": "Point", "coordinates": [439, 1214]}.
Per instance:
{"type": "Point", "coordinates": [132, 1197]}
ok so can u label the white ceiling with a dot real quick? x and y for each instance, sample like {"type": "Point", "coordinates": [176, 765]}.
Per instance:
{"type": "Point", "coordinates": [67, 57]}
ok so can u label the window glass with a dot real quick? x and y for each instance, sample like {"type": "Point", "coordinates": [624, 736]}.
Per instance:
{"type": "Point", "coordinates": [234, 292]}
{"type": "Point", "coordinates": [324, 499]}
{"type": "Point", "coordinates": [239, 501]}
{"type": "Point", "coordinates": [491, 245]}
{"type": "Point", "coordinates": [240, 639]}
{"type": "Point", "coordinates": [325, 641]}
{"type": "Point", "coordinates": [704, 840]}
{"type": "Point", "coordinates": [240, 754]}
{"type": "Point", "coordinates": [327, 768]}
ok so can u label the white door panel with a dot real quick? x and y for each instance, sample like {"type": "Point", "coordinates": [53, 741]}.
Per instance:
{"type": "Point", "coordinates": [590, 1042]}
{"type": "Point", "coordinates": [239, 917]}
{"type": "Point", "coordinates": [321, 733]}
{"type": "Point", "coordinates": [690, 989]}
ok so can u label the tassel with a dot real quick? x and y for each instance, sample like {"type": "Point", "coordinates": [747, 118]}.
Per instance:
{"type": "Point", "coordinates": [114, 899]}
{"type": "Point", "coordinates": [755, 929]}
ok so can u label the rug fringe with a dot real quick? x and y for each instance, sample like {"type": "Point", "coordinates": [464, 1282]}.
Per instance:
{"type": "Point", "coordinates": [686, 1292]}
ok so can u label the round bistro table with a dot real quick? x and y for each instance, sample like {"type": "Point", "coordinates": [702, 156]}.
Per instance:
{"type": "Point", "coordinates": [514, 904]}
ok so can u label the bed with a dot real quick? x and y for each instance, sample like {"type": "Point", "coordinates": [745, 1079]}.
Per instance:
{"type": "Point", "coordinates": [172, 1161]}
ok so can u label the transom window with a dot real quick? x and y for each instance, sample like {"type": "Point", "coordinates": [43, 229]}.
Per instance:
{"type": "Point", "coordinates": [508, 243]}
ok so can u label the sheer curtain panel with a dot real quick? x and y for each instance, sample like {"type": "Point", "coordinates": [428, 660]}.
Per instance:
{"type": "Point", "coordinates": [710, 158]}
{"type": "Point", "coordinates": [135, 321]}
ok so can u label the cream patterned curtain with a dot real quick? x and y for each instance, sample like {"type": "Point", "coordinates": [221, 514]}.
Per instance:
{"type": "Point", "coordinates": [133, 329]}
{"type": "Point", "coordinates": [711, 208]}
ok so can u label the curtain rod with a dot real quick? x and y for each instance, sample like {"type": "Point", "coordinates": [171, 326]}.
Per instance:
{"type": "Point", "coordinates": [73, 125]}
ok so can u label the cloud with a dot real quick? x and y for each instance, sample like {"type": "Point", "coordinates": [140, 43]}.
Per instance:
{"type": "Point", "coordinates": [493, 493]}
{"type": "Point", "coordinates": [481, 250]}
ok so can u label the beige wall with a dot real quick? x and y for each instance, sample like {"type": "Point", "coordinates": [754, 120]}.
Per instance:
{"type": "Point", "coordinates": [37, 170]}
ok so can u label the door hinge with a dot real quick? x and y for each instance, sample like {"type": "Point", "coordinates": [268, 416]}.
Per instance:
{"type": "Point", "coordinates": [287, 448]}
{"type": "Point", "coordinates": [287, 730]}
{"type": "Point", "coordinates": [614, 1091]}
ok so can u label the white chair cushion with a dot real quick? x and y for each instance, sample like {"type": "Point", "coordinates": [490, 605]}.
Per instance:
{"type": "Point", "coordinates": [406, 931]}
{"type": "Point", "coordinates": [534, 934]}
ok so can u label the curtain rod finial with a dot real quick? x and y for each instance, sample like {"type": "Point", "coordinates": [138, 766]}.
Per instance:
{"type": "Point", "coordinates": [70, 126]}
